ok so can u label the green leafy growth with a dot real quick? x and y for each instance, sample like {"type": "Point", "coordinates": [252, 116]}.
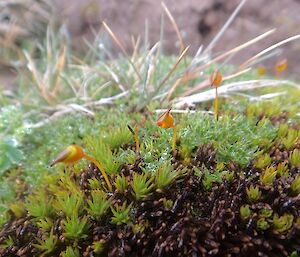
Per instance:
{"type": "Point", "coordinates": [210, 178]}
{"type": "Point", "coordinates": [121, 183]}
{"type": "Point", "coordinates": [75, 228]}
{"type": "Point", "coordinates": [262, 224]}
{"type": "Point", "coordinates": [128, 156]}
{"type": "Point", "coordinates": [70, 252]}
{"type": "Point", "coordinates": [48, 244]}
{"type": "Point", "coordinates": [10, 119]}
{"type": "Point", "coordinates": [263, 161]}
{"type": "Point", "coordinates": [253, 193]}
{"type": "Point", "coordinates": [291, 138]}
{"type": "Point", "coordinates": [245, 211]}
{"type": "Point", "coordinates": [165, 175]}
{"type": "Point", "coordinates": [98, 205]}
{"type": "Point", "coordinates": [140, 227]}
{"type": "Point", "coordinates": [282, 130]}
{"type": "Point", "coordinates": [103, 153]}
{"type": "Point", "coordinates": [141, 185]}
{"type": "Point", "coordinates": [295, 158]}
{"type": "Point", "coordinates": [235, 138]}
{"type": "Point", "coordinates": [18, 209]}
{"type": "Point", "coordinates": [295, 186]}
{"type": "Point", "coordinates": [68, 203]}
{"type": "Point", "coordinates": [121, 214]}
{"type": "Point", "coordinates": [8, 242]}
{"type": "Point", "coordinates": [7, 195]}
{"type": "Point", "coordinates": [39, 205]}
{"type": "Point", "coordinates": [282, 169]}
{"type": "Point", "coordinates": [185, 153]}
{"type": "Point", "coordinates": [263, 108]}
{"type": "Point", "coordinates": [294, 254]}
{"type": "Point", "coordinates": [118, 136]}
{"type": "Point", "coordinates": [10, 155]}
{"type": "Point", "coordinates": [45, 224]}
{"type": "Point", "coordinates": [265, 213]}
{"type": "Point", "coordinates": [282, 223]}
{"type": "Point", "coordinates": [67, 183]}
{"type": "Point", "coordinates": [268, 176]}
{"type": "Point", "coordinates": [98, 247]}
{"type": "Point", "coordinates": [229, 176]}
{"type": "Point", "coordinates": [168, 204]}
{"type": "Point", "coordinates": [94, 183]}
{"type": "Point", "coordinates": [154, 150]}
{"type": "Point", "coordinates": [4, 216]}
{"type": "Point", "coordinates": [42, 144]}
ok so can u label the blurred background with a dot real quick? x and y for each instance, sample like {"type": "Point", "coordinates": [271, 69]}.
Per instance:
{"type": "Point", "coordinates": [25, 22]}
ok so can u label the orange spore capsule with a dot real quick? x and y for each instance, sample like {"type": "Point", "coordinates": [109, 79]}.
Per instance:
{"type": "Point", "coordinates": [281, 66]}
{"type": "Point", "coordinates": [70, 155]}
{"type": "Point", "coordinates": [73, 154]}
{"type": "Point", "coordinates": [166, 120]}
{"type": "Point", "coordinates": [216, 78]}
{"type": "Point", "coordinates": [261, 71]}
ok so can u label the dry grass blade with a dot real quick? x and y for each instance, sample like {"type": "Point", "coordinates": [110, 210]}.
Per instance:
{"type": "Point", "coordinates": [83, 109]}
{"type": "Point", "coordinates": [236, 74]}
{"type": "Point", "coordinates": [100, 88]}
{"type": "Point", "coordinates": [60, 65]}
{"type": "Point", "coordinates": [253, 58]}
{"type": "Point", "coordinates": [38, 79]}
{"type": "Point", "coordinates": [165, 79]}
{"type": "Point", "coordinates": [182, 111]}
{"type": "Point", "coordinates": [115, 38]}
{"type": "Point", "coordinates": [184, 52]}
{"type": "Point", "coordinates": [265, 97]}
{"type": "Point", "coordinates": [136, 46]}
{"type": "Point", "coordinates": [116, 79]}
{"type": "Point", "coordinates": [231, 88]}
{"type": "Point", "coordinates": [196, 58]}
{"type": "Point", "coordinates": [200, 86]}
{"type": "Point", "coordinates": [50, 119]}
{"type": "Point", "coordinates": [107, 100]}
{"type": "Point", "coordinates": [195, 73]}
{"type": "Point", "coordinates": [173, 88]}
{"type": "Point", "coordinates": [63, 110]}
{"type": "Point", "coordinates": [182, 45]}
{"type": "Point", "coordinates": [207, 83]}
{"type": "Point", "coordinates": [226, 25]}
{"type": "Point", "coordinates": [149, 66]}
{"type": "Point", "coordinates": [119, 44]}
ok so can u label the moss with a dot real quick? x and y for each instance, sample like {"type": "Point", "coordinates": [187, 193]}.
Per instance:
{"type": "Point", "coordinates": [203, 198]}
{"type": "Point", "coordinates": [225, 135]}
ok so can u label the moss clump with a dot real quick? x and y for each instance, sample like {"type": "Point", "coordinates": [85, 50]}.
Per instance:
{"type": "Point", "coordinates": [203, 206]}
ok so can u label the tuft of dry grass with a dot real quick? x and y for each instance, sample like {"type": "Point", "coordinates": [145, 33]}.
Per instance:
{"type": "Point", "coordinates": [66, 83]}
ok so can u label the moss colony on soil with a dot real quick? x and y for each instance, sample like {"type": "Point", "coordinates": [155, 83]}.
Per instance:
{"type": "Point", "coordinates": [230, 189]}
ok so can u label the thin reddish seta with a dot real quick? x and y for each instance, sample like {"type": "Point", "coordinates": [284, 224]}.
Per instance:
{"type": "Point", "coordinates": [215, 80]}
